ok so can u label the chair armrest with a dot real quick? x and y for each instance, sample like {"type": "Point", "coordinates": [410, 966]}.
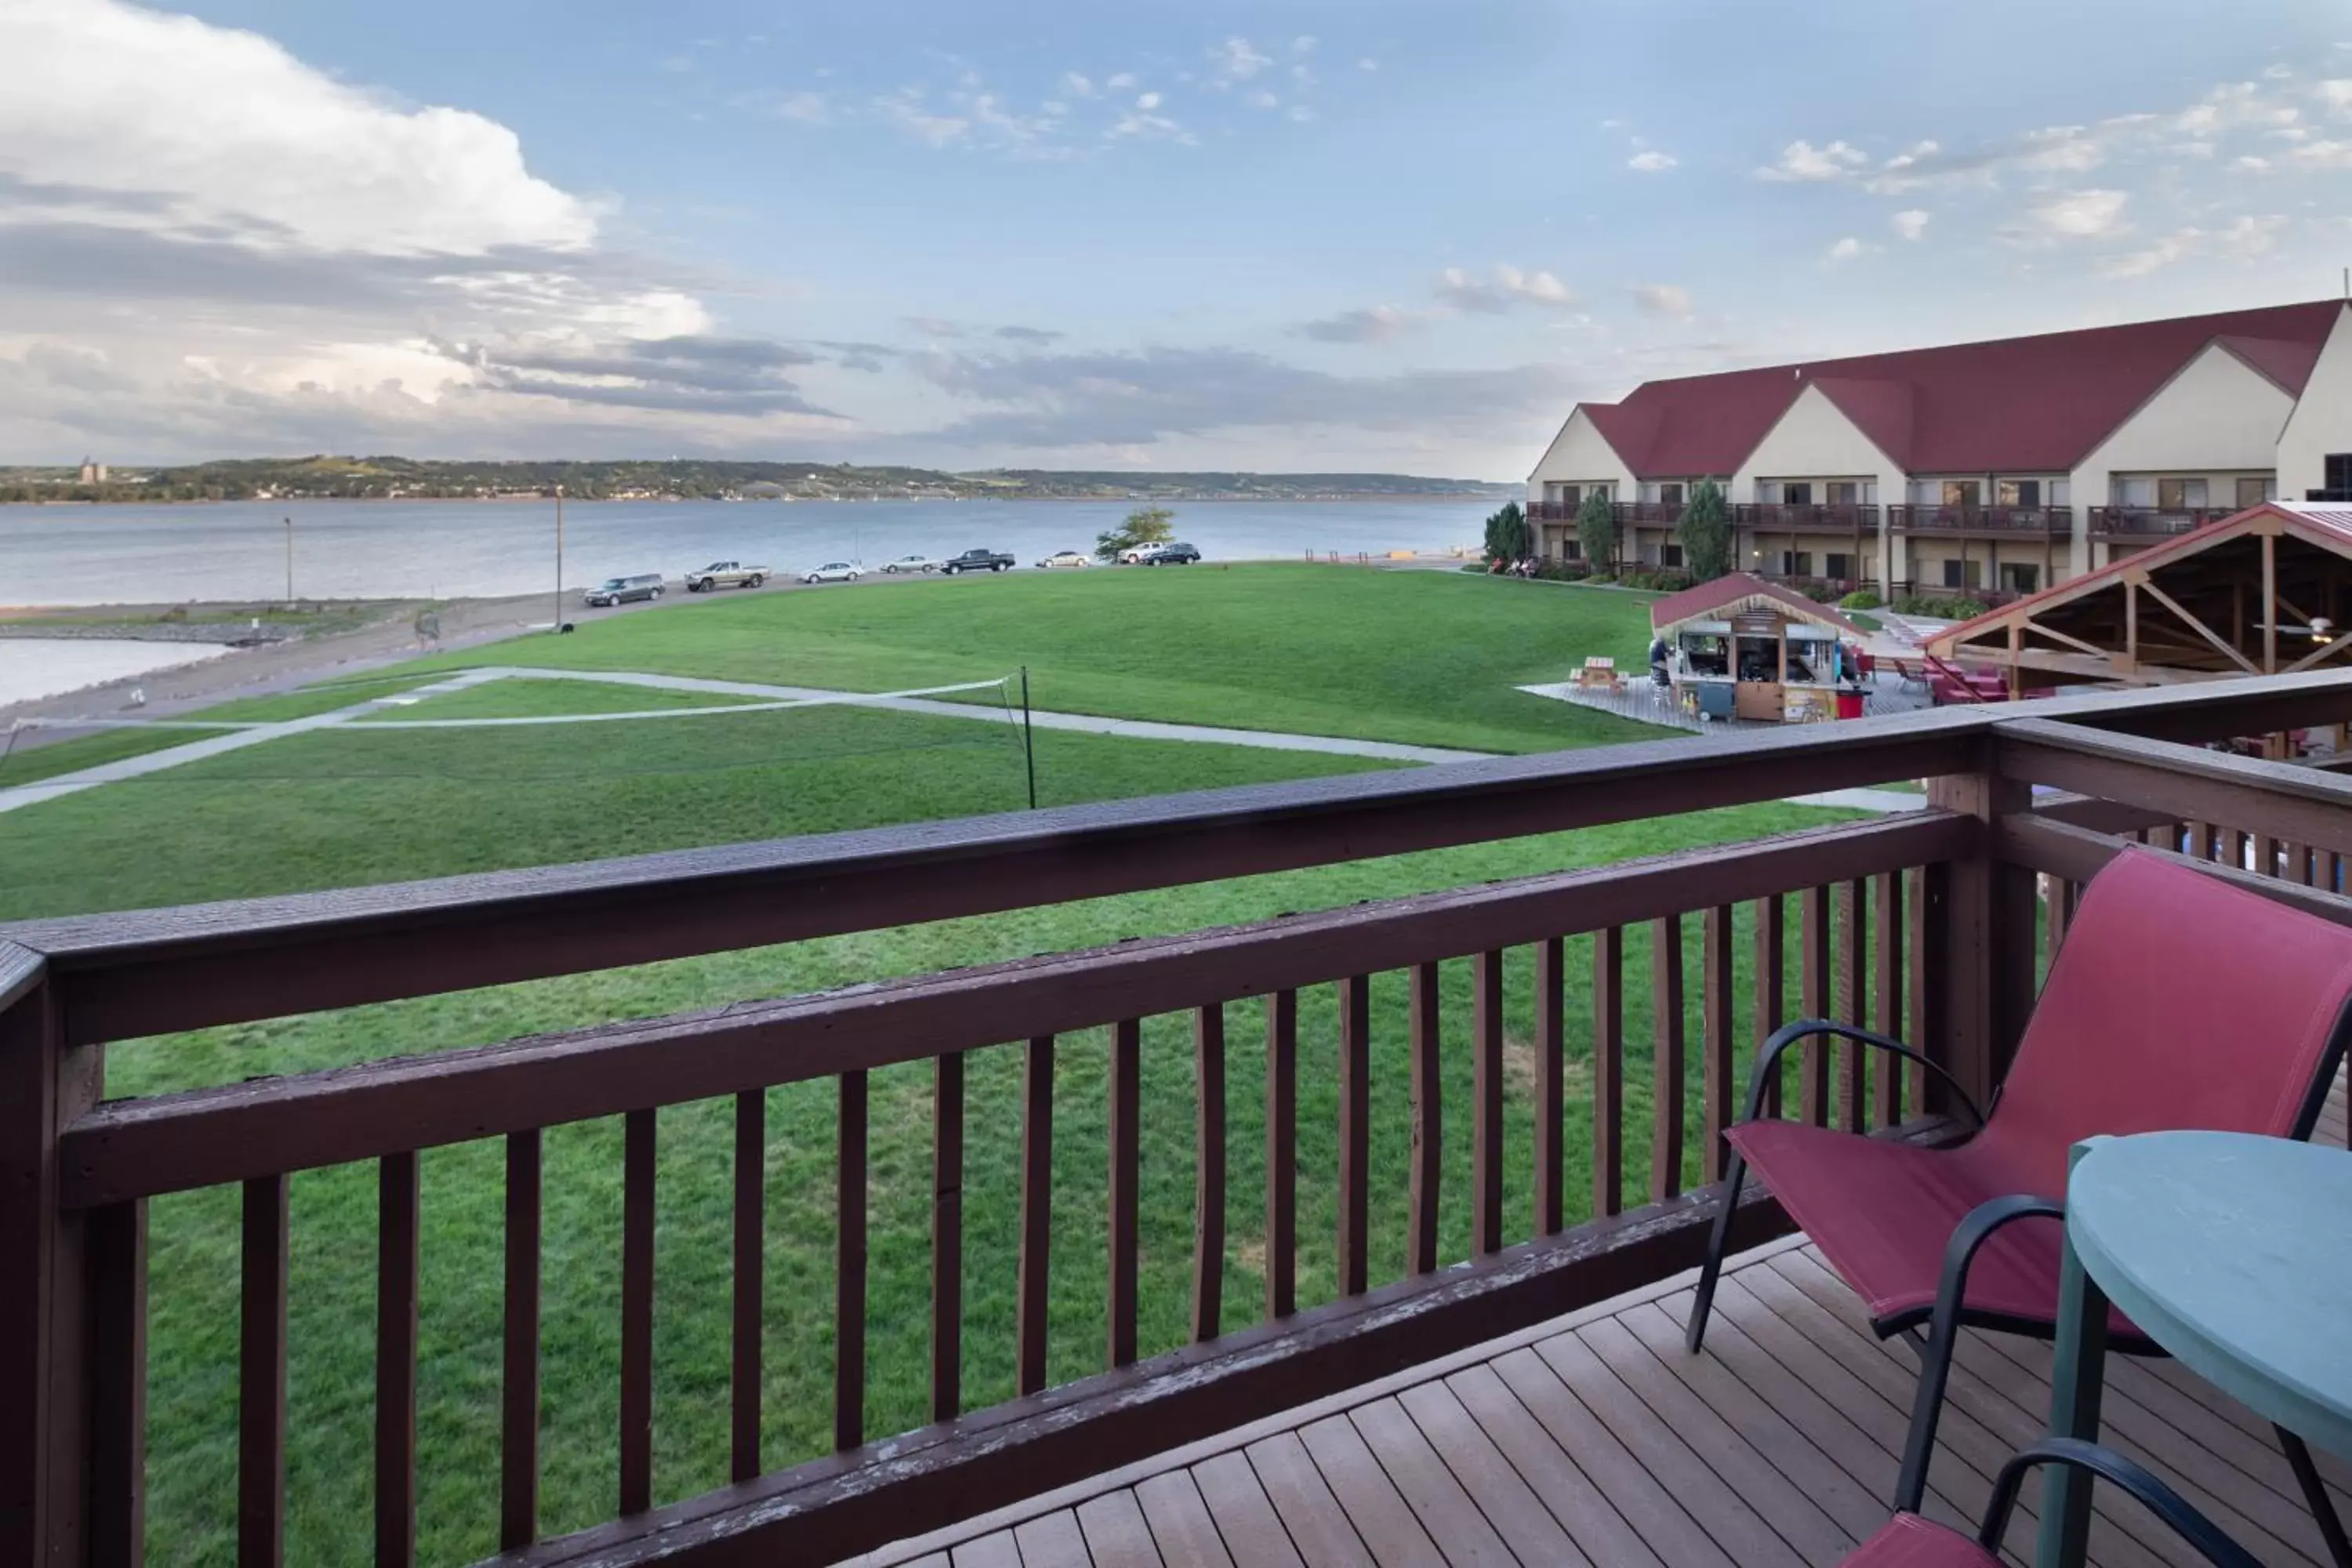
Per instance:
{"type": "Point", "coordinates": [2147, 1490]}
{"type": "Point", "coordinates": [1787, 1034]}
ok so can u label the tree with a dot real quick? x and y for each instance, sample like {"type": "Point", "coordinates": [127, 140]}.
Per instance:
{"type": "Point", "coordinates": [1144, 525]}
{"type": "Point", "coordinates": [1506, 534]}
{"type": "Point", "coordinates": [1596, 528]}
{"type": "Point", "coordinates": [1706, 532]}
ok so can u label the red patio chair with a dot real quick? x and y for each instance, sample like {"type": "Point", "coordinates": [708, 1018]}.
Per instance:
{"type": "Point", "coordinates": [2177, 1001]}
{"type": "Point", "coordinates": [1910, 1542]}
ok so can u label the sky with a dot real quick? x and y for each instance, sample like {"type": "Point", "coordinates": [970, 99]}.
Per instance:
{"type": "Point", "coordinates": [1322, 235]}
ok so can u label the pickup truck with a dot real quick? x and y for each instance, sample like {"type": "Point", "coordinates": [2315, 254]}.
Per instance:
{"type": "Point", "coordinates": [977, 561]}
{"type": "Point", "coordinates": [725, 574]}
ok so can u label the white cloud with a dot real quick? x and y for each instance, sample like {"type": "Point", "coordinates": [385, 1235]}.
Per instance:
{"type": "Point", "coordinates": [1077, 85]}
{"type": "Point", "coordinates": [1148, 100]}
{"type": "Point", "coordinates": [1262, 99]}
{"type": "Point", "coordinates": [904, 108]}
{"type": "Point", "coordinates": [1119, 81]}
{"type": "Point", "coordinates": [2335, 93]}
{"type": "Point", "coordinates": [1376, 324]}
{"type": "Point", "coordinates": [1301, 113]}
{"type": "Point", "coordinates": [1238, 60]}
{"type": "Point", "coordinates": [1842, 250]}
{"type": "Point", "coordinates": [2062, 149]}
{"type": "Point", "coordinates": [1368, 64]}
{"type": "Point", "coordinates": [1801, 161]}
{"type": "Point", "coordinates": [2075, 214]}
{"type": "Point", "coordinates": [1911, 223]}
{"type": "Point", "coordinates": [806, 108]}
{"type": "Point", "coordinates": [2253, 164]}
{"type": "Point", "coordinates": [2321, 155]}
{"type": "Point", "coordinates": [1464, 290]}
{"type": "Point", "coordinates": [124, 102]}
{"type": "Point", "coordinates": [1652, 162]}
{"type": "Point", "coordinates": [1668, 299]}
{"type": "Point", "coordinates": [2246, 238]}
{"type": "Point", "coordinates": [1303, 44]}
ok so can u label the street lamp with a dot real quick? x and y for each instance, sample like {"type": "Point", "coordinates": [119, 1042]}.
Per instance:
{"type": "Point", "coordinates": [558, 558]}
{"type": "Point", "coordinates": [289, 563]}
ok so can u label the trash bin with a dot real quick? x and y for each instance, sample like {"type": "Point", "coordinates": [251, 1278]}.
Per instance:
{"type": "Point", "coordinates": [1849, 704]}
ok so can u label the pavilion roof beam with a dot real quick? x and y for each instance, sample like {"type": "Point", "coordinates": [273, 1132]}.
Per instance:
{"type": "Point", "coordinates": [2200, 627]}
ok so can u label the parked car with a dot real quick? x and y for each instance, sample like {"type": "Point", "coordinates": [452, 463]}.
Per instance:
{"type": "Point", "coordinates": [1063, 558]}
{"type": "Point", "coordinates": [978, 560]}
{"type": "Point", "coordinates": [725, 574]}
{"type": "Point", "coordinates": [623, 590]}
{"type": "Point", "coordinates": [1134, 554]}
{"type": "Point", "coordinates": [913, 564]}
{"type": "Point", "coordinates": [831, 572]}
{"type": "Point", "coordinates": [1174, 553]}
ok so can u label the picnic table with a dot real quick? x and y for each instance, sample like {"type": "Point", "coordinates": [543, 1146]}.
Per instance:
{"type": "Point", "coordinates": [2228, 1251]}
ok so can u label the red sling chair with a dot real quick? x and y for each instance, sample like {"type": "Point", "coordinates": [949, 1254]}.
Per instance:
{"type": "Point", "coordinates": [2176, 1001]}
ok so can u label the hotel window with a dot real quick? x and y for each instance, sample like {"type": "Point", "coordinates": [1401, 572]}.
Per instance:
{"type": "Point", "coordinates": [1670, 555]}
{"type": "Point", "coordinates": [1797, 492]}
{"type": "Point", "coordinates": [1842, 492]}
{"type": "Point", "coordinates": [2018, 492]}
{"type": "Point", "coordinates": [1572, 495]}
{"type": "Point", "coordinates": [1838, 568]}
{"type": "Point", "coordinates": [2179, 495]}
{"type": "Point", "coordinates": [1571, 549]}
{"type": "Point", "coordinates": [2339, 473]}
{"type": "Point", "coordinates": [2018, 578]}
{"type": "Point", "coordinates": [2254, 491]}
{"type": "Point", "coordinates": [1796, 563]}
{"type": "Point", "coordinates": [1963, 493]}
{"type": "Point", "coordinates": [1960, 573]}
{"type": "Point", "coordinates": [1670, 495]}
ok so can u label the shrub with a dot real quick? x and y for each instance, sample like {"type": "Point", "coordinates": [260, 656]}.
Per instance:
{"type": "Point", "coordinates": [1861, 599]}
{"type": "Point", "coordinates": [1506, 534]}
{"type": "Point", "coordinates": [1955, 609]}
{"type": "Point", "coordinates": [1706, 533]}
{"type": "Point", "coordinates": [1672, 580]}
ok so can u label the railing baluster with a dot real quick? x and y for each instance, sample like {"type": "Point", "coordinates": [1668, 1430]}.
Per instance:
{"type": "Point", "coordinates": [638, 1149]}
{"type": "Point", "coordinates": [1918, 951]}
{"type": "Point", "coordinates": [2299, 860]}
{"type": "Point", "coordinates": [1428, 1122]}
{"type": "Point", "coordinates": [116, 1240]}
{"type": "Point", "coordinates": [1608, 1070]}
{"type": "Point", "coordinates": [749, 1284]}
{"type": "Point", "coordinates": [1551, 1052]}
{"type": "Point", "coordinates": [1036, 1211]}
{"type": "Point", "coordinates": [1355, 1129]}
{"type": "Point", "coordinates": [1772, 979]}
{"type": "Point", "coordinates": [261, 1378]}
{"type": "Point", "coordinates": [1209, 1172]}
{"type": "Point", "coordinates": [1886, 1016]}
{"type": "Point", "coordinates": [1126, 1170]}
{"type": "Point", "coordinates": [1849, 898]}
{"type": "Point", "coordinates": [2268, 853]}
{"type": "Point", "coordinates": [947, 1236]}
{"type": "Point", "coordinates": [518, 1385]}
{"type": "Point", "coordinates": [2200, 840]}
{"type": "Point", "coordinates": [1813, 975]}
{"type": "Point", "coordinates": [849, 1276]}
{"type": "Point", "coordinates": [1487, 1113]}
{"type": "Point", "coordinates": [1666, 1014]}
{"type": "Point", "coordinates": [396, 1360]}
{"type": "Point", "coordinates": [1281, 1154]}
{"type": "Point", "coordinates": [1716, 984]}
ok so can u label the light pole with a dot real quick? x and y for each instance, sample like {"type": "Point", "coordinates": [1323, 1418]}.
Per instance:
{"type": "Point", "coordinates": [289, 563]}
{"type": "Point", "coordinates": [558, 558]}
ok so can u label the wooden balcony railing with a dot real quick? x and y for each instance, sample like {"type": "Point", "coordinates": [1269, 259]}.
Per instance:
{"type": "Point", "coordinates": [2036, 521]}
{"type": "Point", "coordinates": [2132, 521]}
{"type": "Point", "coordinates": [1922, 922]}
{"type": "Point", "coordinates": [1799, 517]}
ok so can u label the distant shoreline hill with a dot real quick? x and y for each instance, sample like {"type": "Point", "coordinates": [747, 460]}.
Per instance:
{"type": "Point", "coordinates": [407, 478]}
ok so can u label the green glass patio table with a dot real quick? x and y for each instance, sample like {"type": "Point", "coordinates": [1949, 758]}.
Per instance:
{"type": "Point", "coordinates": [2232, 1252]}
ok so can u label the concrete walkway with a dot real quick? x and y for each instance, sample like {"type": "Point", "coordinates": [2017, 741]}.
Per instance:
{"type": "Point", "coordinates": [759, 694]}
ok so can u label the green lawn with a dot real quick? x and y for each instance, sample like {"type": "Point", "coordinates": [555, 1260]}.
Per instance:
{"type": "Point", "coordinates": [1428, 657]}
{"type": "Point", "coordinates": [1418, 657]}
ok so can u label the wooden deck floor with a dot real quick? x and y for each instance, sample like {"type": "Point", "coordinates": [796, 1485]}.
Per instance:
{"type": "Point", "coordinates": [1597, 1439]}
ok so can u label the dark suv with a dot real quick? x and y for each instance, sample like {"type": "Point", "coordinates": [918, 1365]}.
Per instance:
{"type": "Point", "coordinates": [1177, 554]}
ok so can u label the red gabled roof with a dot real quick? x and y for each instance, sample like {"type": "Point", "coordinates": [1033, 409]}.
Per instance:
{"type": "Point", "coordinates": [2037, 405]}
{"type": "Point", "coordinates": [1739, 588]}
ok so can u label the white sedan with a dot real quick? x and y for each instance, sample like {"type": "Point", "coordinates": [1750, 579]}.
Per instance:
{"type": "Point", "coordinates": [913, 564]}
{"type": "Point", "coordinates": [831, 572]}
{"type": "Point", "coordinates": [1064, 558]}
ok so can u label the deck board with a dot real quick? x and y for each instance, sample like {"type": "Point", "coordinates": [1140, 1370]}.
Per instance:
{"type": "Point", "coordinates": [1598, 1440]}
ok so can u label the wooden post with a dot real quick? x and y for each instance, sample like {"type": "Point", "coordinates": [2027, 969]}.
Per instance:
{"type": "Point", "coordinates": [2131, 624]}
{"type": "Point", "coordinates": [1985, 927]}
{"type": "Point", "coordinates": [2269, 604]}
{"type": "Point", "coordinates": [2016, 647]}
{"type": "Point", "coordinates": [45, 1427]}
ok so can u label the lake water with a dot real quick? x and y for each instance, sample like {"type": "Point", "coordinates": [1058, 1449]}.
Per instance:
{"type": "Point", "coordinates": [346, 550]}
{"type": "Point", "coordinates": [49, 667]}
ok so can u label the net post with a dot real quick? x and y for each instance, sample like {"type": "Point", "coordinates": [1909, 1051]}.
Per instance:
{"type": "Point", "coordinates": [1028, 739]}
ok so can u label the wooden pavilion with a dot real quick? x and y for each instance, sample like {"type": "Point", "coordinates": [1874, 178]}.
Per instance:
{"type": "Point", "coordinates": [2267, 592]}
{"type": "Point", "coordinates": [1740, 647]}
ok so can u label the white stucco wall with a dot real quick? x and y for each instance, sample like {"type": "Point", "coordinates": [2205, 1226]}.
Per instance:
{"type": "Point", "coordinates": [2217, 418]}
{"type": "Point", "coordinates": [1578, 456]}
{"type": "Point", "coordinates": [2322, 421]}
{"type": "Point", "coordinates": [1815, 440]}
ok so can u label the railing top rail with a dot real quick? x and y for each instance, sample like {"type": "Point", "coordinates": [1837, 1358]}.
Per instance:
{"type": "Point", "coordinates": [139, 972]}
{"type": "Point", "coordinates": [204, 1137]}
